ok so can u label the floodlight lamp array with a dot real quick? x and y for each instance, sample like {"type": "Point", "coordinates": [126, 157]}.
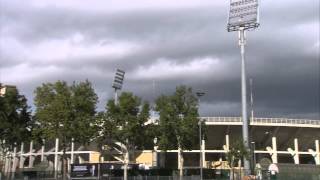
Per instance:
{"type": "Point", "coordinates": [118, 79]}
{"type": "Point", "coordinates": [247, 26]}
{"type": "Point", "coordinates": [199, 94]}
{"type": "Point", "coordinates": [243, 14]}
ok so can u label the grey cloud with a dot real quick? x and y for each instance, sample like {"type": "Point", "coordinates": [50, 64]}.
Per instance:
{"type": "Point", "coordinates": [286, 75]}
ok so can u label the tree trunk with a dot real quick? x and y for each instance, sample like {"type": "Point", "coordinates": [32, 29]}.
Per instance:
{"type": "Point", "coordinates": [239, 166]}
{"type": "Point", "coordinates": [181, 163]}
{"type": "Point", "coordinates": [231, 176]}
{"type": "Point", "coordinates": [64, 164]}
{"type": "Point", "coordinates": [126, 161]}
{"type": "Point", "coordinates": [231, 169]}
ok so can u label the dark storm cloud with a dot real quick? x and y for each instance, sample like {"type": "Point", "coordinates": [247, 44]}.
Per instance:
{"type": "Point", "coordinates": [190, 44]}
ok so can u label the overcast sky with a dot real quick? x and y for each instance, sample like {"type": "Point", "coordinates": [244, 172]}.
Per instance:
{"type": "Point", "coordinates": [164, 43]}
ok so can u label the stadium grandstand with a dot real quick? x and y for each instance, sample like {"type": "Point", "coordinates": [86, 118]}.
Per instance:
{"type": "Point", "coordinates": [278, 140]}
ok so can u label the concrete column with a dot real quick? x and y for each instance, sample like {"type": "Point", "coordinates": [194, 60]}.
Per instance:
{"type": "Point", "coordinates": [317, 157]}
{"type": "Point", "coordinates": [295, 152]}
{"type": "Point", "coordinates": [227, 142]}
{"type": "Point", "coordinates": [72, 150]}
{"type": "Point", "coordinates": [30, 155]}
{"type": "Point", "coordinates": [296, 149]}
{"type": "Point", "coordinates": [56, 155]}
{"type": "Point", "coordinates": [203, 149]}
{"type": "Point", "coordinates": [315, 154]}
{"type": "Point", "coordinates": [42, 150]}
{"type": "Point", "coordinates": [80, 159]}
{"type": "Point", "coordinates": [155, 156]}
{"type": "Point", "coordinates": [275, 151]}
{"type": "Point", "coordinates": [21, 162]}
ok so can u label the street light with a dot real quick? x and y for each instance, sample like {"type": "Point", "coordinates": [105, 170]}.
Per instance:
{"type": "Point", "coordinates": [243, 15]}
{"type": "Point", "coordinates": [200, 94]}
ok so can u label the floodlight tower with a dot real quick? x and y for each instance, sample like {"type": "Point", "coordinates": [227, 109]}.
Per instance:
{"type": "Point", "coordinates": [117, 83]}
{"type": "Point", "coordinates": [243, 15]}
{"type": "Point", "coordinates": [199, 95]}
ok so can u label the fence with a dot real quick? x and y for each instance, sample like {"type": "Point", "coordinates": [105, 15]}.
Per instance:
{"type": "Point", "coordinates": [287, 172]}
{"type": "Point", "coordinates": [49, 177]}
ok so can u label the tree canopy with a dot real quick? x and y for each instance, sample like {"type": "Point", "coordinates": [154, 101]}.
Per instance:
{"type": "Point", "coordinates": [66, 112]}
{"type": "Point", "coordinates": [15, 119]}
{"type": "Point", "coordinates": [178, 119]}
{"type": "Point", "coordinates": [236, 153]}
{"type": "Point", "coordinates": [125, 122]}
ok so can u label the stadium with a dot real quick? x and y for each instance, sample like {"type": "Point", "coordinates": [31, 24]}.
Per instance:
{"type": "Point", "coordinates": [278, 140]}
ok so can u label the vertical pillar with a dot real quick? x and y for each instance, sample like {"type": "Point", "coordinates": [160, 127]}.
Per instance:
{"type": "Point", "coordinates": [21, 162]}
{"type": "Point", "coordinates": [317, 157]}
{"type": "Point", "coordinates": [245, 121]}
{"type": "Point", "coordinates": [296, 149]}
{"type": "Point", "coordinates": [72, 150]}
{"type": "Point", "coordinates": [155, 156]}
{"type": "Point", "coordinates": [203, 149]}
{"type": "Point", "coordinates": [227, 142]}
{"type": "Point", "coordinates": [30, 155]}
{"type": "Point", "coordinates": [56, 155]}
{"type": "Point", "coordinates": [42, 150]}
{"type": "Point", "coordinates": [275, 151]}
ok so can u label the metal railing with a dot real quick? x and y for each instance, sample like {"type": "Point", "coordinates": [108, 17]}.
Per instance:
{"type": "Point", "coordinates": [260, 121]}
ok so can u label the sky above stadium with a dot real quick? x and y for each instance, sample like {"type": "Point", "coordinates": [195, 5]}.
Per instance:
{"type": "Point", "coordinates": [164, 43]}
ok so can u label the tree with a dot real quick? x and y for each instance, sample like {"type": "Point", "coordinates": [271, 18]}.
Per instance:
{"type": "Point", "coordinates": [235, 155]}
{"type": "Point", "coordinates": [178, 121]}
{"type": "Point", "coordinates": [125, 123]}
{"type": "Point", "coordinates": [15, 119]}
{"type": "Point", "coordinates": [66, 112]}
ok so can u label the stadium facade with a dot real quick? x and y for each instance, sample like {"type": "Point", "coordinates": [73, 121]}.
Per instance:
{"type": "Point", "coordinates": [278, 140]}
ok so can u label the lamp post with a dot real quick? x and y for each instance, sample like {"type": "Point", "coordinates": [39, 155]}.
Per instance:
{"type": "Point", "coordinates": [200, 94]}
{"type": "Point", "coordinates": [243, 15]}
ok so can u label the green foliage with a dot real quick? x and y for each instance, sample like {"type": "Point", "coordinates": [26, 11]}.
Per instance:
{"type": "Point", "coordinates": [15, 119]}
{"type": "Point", "coordinates": [126, 122]}
{"type": "Point", "coordinates": [236, 152]}
{"type": "Point", "coordinates": [178, 119]}
{"type": "Point", "coordinates": [66, 112]}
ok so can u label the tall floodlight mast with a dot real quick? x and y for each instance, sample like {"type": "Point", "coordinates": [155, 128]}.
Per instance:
{"type": "Point", "coordinates": [199, 95]}
{"type": "Point", "coordinates": [117, 83]}
{"type": "Point", "coordinates": [243, 15]}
